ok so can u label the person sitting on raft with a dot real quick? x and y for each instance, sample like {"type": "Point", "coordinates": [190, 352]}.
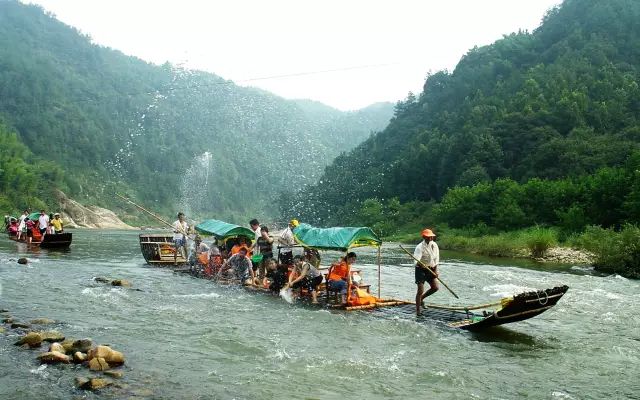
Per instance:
{"type": "Point", "coordinates": [305, 275]}
{"type": "Point", "coordinates": [339, 278]}
{"type": "Point", "coordinates": [242, 244]}
{"type": "Point", "coordinates": [241, 266]}
{"type": "Point", "coordinates": [277, 274]}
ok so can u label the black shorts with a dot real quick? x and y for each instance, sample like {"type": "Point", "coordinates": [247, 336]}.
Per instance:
{"type": "Point", "coordinates": [423, 275]}
{"type": "Point", "coordinates": [286, 258]}
{"type": "Point", "coordinates": [309, 284]}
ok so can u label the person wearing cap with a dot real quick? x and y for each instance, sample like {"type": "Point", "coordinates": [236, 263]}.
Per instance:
{"type": "Point", "coordinates": [428, 253]}
{"type": "Point", "coordinates": [56, 222]}
{"type": "Point", "coordinates": [286, 240]}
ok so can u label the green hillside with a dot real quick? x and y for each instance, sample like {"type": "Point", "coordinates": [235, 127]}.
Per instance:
{"type": "Point", "coordinates": [168, 137]}
{"type": "Point", "coordinates": [559, 103]}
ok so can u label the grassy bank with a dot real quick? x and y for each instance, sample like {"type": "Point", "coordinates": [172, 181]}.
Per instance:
{"type": "Point", "coordinates": [616, 251]}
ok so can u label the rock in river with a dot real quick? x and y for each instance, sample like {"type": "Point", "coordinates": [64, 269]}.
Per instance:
{"type": "Point", "coordinates": [54, 357]}
{"type": "Point", "coordinates": [43, 321]}
{"type": "Point", "coordinates": [33, 339]}
{"type": "Point", "coordinates": [52, 336]}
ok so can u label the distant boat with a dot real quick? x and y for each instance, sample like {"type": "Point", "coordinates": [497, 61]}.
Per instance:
{"type": "Point", "coordinates": [158, 249]}
{"type": "Point", "coordinates": [49, 241]}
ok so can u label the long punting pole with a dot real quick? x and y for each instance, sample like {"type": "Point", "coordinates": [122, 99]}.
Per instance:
{"type": "Point", "coordinates": [145, 210]}
{"type": "Point", "coordinates": [379, 271]}
{"type": "Point", "coordinates": [430, 270]}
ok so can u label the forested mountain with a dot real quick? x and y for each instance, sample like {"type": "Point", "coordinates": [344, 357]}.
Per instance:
{"type": "Point", "coordinates": [561, 102]}
{"type": "Point", "coordinates": [169, 137]}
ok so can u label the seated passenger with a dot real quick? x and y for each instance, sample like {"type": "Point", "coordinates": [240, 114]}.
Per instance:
{"type": "Point", "coordinates": [339, 278]}
{"type": "Point", "coordinates": [305, 275]}
{"type": "Point", "coordinates": [277, 273]}
{"type": "Point", "coordinates": [242, 244]}
{"type": "Point", "coordinates": [240, 266]}
{"type": "Point", "coordinates": [215, 260]}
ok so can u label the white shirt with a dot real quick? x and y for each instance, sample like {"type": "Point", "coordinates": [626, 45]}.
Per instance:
{"type": "Point", "coordinates": [180, 229]}
{"type": "Point", "coordinates": [254, 247]}
{"type": "Point", "coordinates": [43, 221]}
{"type": "Point", "coordinates": [286, 239]}
{"type": "Point", "coordinates": [428, 253]}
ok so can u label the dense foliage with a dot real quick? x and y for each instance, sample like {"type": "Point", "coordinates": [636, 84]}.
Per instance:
{"type": "Point", "coordinates": [25, 178]}
{"type": "Point", "coordinates": [535, 128]}
{"type": "Point", "coordinates": [169, 137]}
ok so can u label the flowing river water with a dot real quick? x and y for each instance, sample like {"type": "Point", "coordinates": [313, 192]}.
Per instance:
{"type": "Point", "coordinates": [188, 338]}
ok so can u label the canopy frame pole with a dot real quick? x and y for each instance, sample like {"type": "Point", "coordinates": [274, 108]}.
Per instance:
{"type": "Point", "coordinates": [379, 271]}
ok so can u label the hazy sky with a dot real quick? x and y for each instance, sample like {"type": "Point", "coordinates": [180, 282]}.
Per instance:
{"type": "Point", "coordinates": [344, 53]}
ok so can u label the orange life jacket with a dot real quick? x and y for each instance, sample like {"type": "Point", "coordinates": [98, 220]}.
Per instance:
{"type": "Point", "coordinates": [360, 297]}
{"type": "Point", "coordinates": [339, 271]}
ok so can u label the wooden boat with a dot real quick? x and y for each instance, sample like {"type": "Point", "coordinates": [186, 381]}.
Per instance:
{"type": "Point", "coordinates": [158, 249]}
{"type": "Point", "coordinates": [50, 241]}
{"type": "Point", "coordinates": [511, 309]}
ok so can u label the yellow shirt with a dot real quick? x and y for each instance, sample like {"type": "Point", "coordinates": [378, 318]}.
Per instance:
{"type": "Point", "coordinates": [57, 224]}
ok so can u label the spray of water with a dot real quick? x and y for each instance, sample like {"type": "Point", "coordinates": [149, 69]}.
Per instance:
{"type": "Point", "coordinates": [195, 185]}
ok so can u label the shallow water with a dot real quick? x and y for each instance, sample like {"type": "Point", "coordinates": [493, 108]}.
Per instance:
{"type": "Point", "coordinates": [189, 338]}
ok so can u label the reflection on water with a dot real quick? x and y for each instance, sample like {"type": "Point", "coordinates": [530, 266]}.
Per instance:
{"type": "Point", "coordinates": [189, 338]}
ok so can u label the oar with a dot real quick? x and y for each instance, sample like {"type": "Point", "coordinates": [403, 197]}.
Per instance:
{"type": "Point", "coordinates": [152, 214]}
{"type": "Point", "coordinates": [430, 270]}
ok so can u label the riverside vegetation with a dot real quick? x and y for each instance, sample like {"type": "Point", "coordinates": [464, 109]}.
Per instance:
{"type": "Point", "coordinates": [530, 141]}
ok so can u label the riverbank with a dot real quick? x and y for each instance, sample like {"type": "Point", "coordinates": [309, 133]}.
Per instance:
{"type": "Point", "coordinates": [609, 251]}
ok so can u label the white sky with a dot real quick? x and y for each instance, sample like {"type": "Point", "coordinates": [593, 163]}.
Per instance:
{"type": "Point", "coordinates": [382, 48]}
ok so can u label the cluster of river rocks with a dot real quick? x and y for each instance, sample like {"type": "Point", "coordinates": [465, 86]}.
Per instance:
{"type": "Point", "coordinates": [63, 350]}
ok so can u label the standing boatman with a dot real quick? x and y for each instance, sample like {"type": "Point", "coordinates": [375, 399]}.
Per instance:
{"type": "Point", "coordinates": [428, 253]}
{"type": "Point", "coordinates": [180, 232]}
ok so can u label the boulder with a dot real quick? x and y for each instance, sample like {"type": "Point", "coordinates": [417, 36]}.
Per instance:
{"type": "Point", "coordinates": [23, 261]}
{"type": "Point", "coordinates": [55, 346]}
{"type": "Point", "coordinates": [1, 329]}
{"type": "Point", "coordinates": [3, 310]}
{"type": "Point", "coordinates": [121, 282]}
{"type": "Point", "coordinates": [52, 336]}
{"type": "Point", "coordinates": [114, 374]}
{"type": "Point", "coordinates": [81, 345]}
{"type": "Point", "coordinates": [32, 339]}
{"type": "Point", "coordinates": [79, 357]}
{"type": "Point", "coordinates": [92, 383]}
{"type": "Point", "coordinates": [98, 364]}
{"type": "Point", "coordinates": [111, 356]}
{"type": "Point", "coordinates": [43, 321]}
{"type": "Point", "coordinates": [8, 320]}
{"type": "Point", "coordinates": [16, 325]}
{"type": "Point", "coordinates": [101, 279]}
{"type": "Point", "coordinates": [54, 357]}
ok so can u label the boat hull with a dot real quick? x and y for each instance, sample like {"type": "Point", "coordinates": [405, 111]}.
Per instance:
{"type": "Point", "coordinates": [50, 241]}
{"type": "Point", "coordinates": [158, 249]}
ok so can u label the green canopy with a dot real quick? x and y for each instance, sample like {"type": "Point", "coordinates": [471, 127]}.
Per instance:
{"type": "Point", "coordinates": [34, 216]}
{"type": "Point", "coordinates": [223, 230]}
{"type": "Point", "coordinates": [338, 238]}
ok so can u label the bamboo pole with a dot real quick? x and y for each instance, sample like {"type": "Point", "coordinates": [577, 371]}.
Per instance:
{"type": "Point", "coordinates": [379, 271]}
{"type": "Point", "coordinates": [148, 212]}
{"type": "Point", "coordinates": [430, 270]}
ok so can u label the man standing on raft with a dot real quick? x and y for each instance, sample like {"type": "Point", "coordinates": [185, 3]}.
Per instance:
{"type": "Point", "coordinates": [428, 254]}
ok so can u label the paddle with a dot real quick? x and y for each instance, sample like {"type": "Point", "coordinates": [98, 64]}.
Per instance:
{"type": "Point", "coordinates": [430, 270]}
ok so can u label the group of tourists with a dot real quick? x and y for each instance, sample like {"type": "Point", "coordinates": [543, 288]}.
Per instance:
{"type": "Point", "coordinates": [35, 228]}
{"type": "Point", "coordinates": [252, 262]}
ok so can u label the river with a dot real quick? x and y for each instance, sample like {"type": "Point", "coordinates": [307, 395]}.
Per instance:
{"type": "Point", "coordinates": [188, 338]}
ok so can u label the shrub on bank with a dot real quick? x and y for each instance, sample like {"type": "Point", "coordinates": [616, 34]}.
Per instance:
{"type": "Point", "coordinates": [616, 251]}
{"type": "Point", "coordinates": [538, 240]}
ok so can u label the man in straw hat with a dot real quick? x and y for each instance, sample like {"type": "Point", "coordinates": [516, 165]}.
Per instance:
{"type": "Point", "coordinates": [428, 253]}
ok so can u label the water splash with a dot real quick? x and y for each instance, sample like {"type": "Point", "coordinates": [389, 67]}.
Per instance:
{"type": "Point", "coordinates": [195, 186]}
